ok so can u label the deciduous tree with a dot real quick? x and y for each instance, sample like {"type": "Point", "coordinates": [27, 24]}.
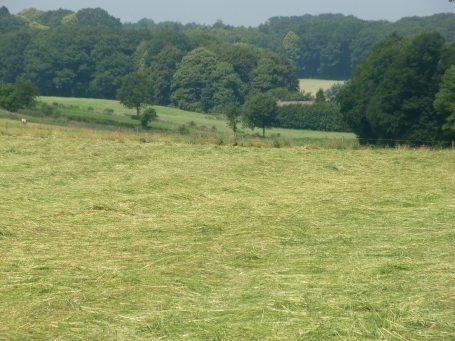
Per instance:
{"type": "Point", "coordinates": [391, 97]}
{"type": "Point", "coordinates": [445, 98]}
{"type": "Point", "coordinates": [233, 114]}
{"type": "Point", "coordinates": [8, 97]}
{"type": "Point", "coordinates": [260, 111]}
{"type": "Point", "coordinates": [26, 93]}
{"type": "Point", "coordinates": [136, 91]}
{"type": "Point", "coordinates": [192, 79]}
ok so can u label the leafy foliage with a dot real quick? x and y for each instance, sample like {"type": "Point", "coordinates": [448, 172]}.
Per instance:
{"type": "Point", "coordinates": [8, 22]}
{"type": "Point", "coordinates": [233, 114]}
{"type": "Point", "coordinates": [147, 115]}
{"type": "Point", "coordinates": [97, 17]}
{"type": "Point", "coordinates": [162, 69]}
{"type": "Point", "coordinates": [260, 111]}
{"type": "Point", "coordinates": [136, 91]}
{"type": "Point", "coordinates": [191, 80]}
{"type": "Point", "coordinates": [17, 96]}
{"type": "Point", "coordinates": [291, 46]}
{"type": "Point", "coordinates": [445, 98]}
{"type": "Point", "coordinates": [320, 116]}
{"type": "Point", "coordinates": [26, 93]}
{"type": "Point", "coordinates": [332, 94]}
{"type": "Point", "coordinates": [320, 97]}
{"type": "Point", "coordinates": [391, 96]}
{"type": "Point", "coordinates": [8, 97]}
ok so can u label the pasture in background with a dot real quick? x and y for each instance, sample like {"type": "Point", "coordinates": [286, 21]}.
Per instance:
{"type": "Point", "coordinates": [171, 119]}
{"type": "Point", "coordinates": [313, 85]}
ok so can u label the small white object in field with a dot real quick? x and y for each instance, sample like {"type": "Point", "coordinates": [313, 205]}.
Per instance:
{"type": "Point", "coordinates": [24, 120]}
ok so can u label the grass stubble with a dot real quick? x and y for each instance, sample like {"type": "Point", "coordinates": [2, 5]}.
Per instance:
{"type": "Point", "coordinates": [114, 239]}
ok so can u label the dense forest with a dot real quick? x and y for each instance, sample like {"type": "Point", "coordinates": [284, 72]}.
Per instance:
{"type": "Point", "coordinates": [397, 67]}
{"type": "Point", "coordinates": [328, 46]}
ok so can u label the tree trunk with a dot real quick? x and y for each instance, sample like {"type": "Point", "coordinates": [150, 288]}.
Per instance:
{"type": "Point", "coordinates": [263, 131]}
{"type": "Point", "coordinates": [137, 112]}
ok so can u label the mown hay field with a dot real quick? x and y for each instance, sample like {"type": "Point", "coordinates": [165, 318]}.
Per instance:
{"type": "Point", "coordinates": [114, 239]}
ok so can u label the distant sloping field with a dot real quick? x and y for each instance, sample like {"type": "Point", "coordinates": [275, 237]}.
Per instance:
{"type": "Point", "coordinates": [313, 85]}
{"type": "Point", "coordinates": [172, 118]}
{"type": "Point", "coordinates": [123, 240]}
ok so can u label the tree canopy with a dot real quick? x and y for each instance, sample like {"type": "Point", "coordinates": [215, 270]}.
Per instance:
{"type": "Point", "coordinates": [260, 111]}
{"type": "Point", "coordinates": [18, 96]}
{"type": "Point", "coordinates": [391, 95]}
{"type": "Point", "coordinates": [136, 91]}
{"type": "Point", "coordinates": [445, 98]}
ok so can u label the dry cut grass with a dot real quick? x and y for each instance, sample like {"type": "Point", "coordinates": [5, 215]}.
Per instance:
{"type": "Point", "coordinates": [113, 239]}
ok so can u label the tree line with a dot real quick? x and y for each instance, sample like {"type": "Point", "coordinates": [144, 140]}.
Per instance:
{"type": "Point", "coordinates": [403, 92]}
{"type": "Point", "coordinates": [191, 71]}
{"type": "Point", "coordinates": [327, 46]}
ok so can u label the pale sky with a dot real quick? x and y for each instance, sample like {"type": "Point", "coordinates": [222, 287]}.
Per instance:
{"type": "Point", "coordinates": [240, 12]}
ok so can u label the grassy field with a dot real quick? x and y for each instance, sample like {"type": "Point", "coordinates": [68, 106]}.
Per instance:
{"type": "Point", "coordinates": [313, 85]}
{"type": "Point", "coordinates": [172, 118]}
{"type": "Point", "coordinates": [104, 237]}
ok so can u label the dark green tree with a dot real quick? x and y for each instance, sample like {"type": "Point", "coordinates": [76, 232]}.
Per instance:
{"type": "Point", "coordinates": [54, 18]}
{"type": "Point", "coordinates": [445, 99]}
{"type": "Point", "coordinates": [97, 17]}
{"type": "Point", "coordinates": [291, 46]}
{"type": "Point", "coordinates": [58, 60]}
{"type": "Point", "coordinates": [242, 58]}
{"type": "Point", "coordinates": [136, 91]}
{"type": "Point", "coordinates": [402, 105]}
{"type": "Point", "coordinates": [26, 93]}
{"type": "Point", "coordinates": [320, 116]}
{"type": "Point", "coordinates": [227, 88]}
{"type": "Point", "coordinates": [260, 111]}
{"type": "Point", "coordinates": [166, 37]}
{"type": "Point", "coordinates": [10, 23]}
{"type": "Point", "coordinates": [332, 94]}
{"type": "Point", "coordinates": [233, 114]}
{"type": "Point", "coordinates": [191, 82]}
{"type": "Point", "coordinates": [112, 58]}
{"type": "Point", "coordinates": [274, 71]}
{"type": "Point", "coordinates": [13, 46]}
{"type": "Point", "coordinates": [320, 97]}
{"type": "Point", "coordinates": [391, 97]}
{"type": "Point", "coordinates": [8, 97]}
{"type": "Point", "coordinates": [147, 115]}
{"type": "Point", "coordinates": [355, 96]}
{"type": "Point", "coordinates": [162, 69]}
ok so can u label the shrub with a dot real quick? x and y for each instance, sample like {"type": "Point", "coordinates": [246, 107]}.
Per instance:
{"type": "Point", "coordinates": [49, 110]}
{"type": "Point", "coordinates": [108, 111]}
{"type": "Point", "coordinates": [183, 130]}
{"type": "Point", "coordinates": [147, 115]}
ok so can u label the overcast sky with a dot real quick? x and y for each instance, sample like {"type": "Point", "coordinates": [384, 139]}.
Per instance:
{"type": "Point", "coordinates": [240, 12]}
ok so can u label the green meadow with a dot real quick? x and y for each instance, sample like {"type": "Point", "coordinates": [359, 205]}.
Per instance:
{"type": "Point", "coordinates": [313, 85]}
{"type": "Point", "coordinates": [172, 118]}
{"type": "Point", "coordinates": [123, 236]}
